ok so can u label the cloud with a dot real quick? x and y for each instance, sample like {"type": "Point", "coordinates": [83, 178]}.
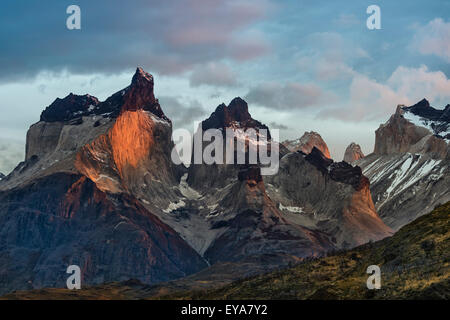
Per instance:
{"type": "Point", "coordinates": [288, 96]}
{"type": "Point", "coordinates": [11, 153]}
{"type": "Point", "coordinates": [373, 100]}
{"type": "Point", "coordinates": [276, 125]}
{"type": "Point", "coordinates": [166, 37]}
{"type": "Point", "coordinates": [417, 83]}
{"type": "Point", "coordinates": [214, 74]}
{"type": "Point", "coordinates": [347, 20]}
{"type": "Point", "coordinates": [330, 56]}
{"type": "Point", "coordinates": [433, 39]}
{"type": "Point", "coordinates": [181, 111]}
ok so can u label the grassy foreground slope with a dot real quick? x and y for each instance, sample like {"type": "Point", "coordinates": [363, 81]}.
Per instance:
{"type": "Point", "coordinates": [414, 265]}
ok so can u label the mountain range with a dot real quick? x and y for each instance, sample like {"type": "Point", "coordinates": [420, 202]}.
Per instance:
{"type": "Point", "coordinates": [98, 189]}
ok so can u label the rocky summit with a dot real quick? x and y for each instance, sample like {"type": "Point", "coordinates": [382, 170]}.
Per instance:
{"type": "Point", "coordinates": [353, 152]}
{"type": "Point", "coordinates": [98, 188]}
{"type": "Point", "coordinates": [409, 168]}
{"type": "Point", "coordinates": [307, 142]}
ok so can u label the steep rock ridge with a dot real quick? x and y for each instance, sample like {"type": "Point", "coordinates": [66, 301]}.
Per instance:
{"type": "Point", "coordinates": [1, 176]}
{"type": "Point", "coordinates": [235, 115]}
{"type": "Point", "coordinates": [251, 224]}
{"type": "Point", "coordinates": [353, 152]}
{"type": "Point", "coordinates": [64, 219]}
{"type": "Point", "coordinates": [119, 150]}
{"type": "Point", "coordinates": [104, 165]}
{"type": "Point", "coordinates": [409, 130]}
{"type": "Point", "coordinates": [307, 142]}
{"type": "Point", "coordinates": [238, 219]}
{"type": "Point", "coordinates": [314, 191]}
{"type": "Point", "coordinates": [247, 204]}
{"type": "Point", "coordinates": [71, 107]}
{"type": "Point", "coordinates": [409, 169]}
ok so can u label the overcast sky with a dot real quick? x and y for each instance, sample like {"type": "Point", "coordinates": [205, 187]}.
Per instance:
{"type": "Point", "coordinates": [301, 65]}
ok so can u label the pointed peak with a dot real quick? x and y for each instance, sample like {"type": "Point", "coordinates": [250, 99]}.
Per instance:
{"type": "Point", "coordinates": [424, 103]}
{"type": "Point", "coordinates": [307, 142]}
{"type": "Point", "coordinates": [238, 102]}
{"type": "Point", "coordinates": [234, 115]}
{"type": "Point", "coordinates": [141, 77]}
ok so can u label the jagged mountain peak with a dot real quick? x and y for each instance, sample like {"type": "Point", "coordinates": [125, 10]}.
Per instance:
{"type": "Point", "coordinates": [139, 95]}
{"type": "Point", "coordinates": [353, 152]}
{"type": "Point", "coordinates": [424, 103]}
{"type": "Point", "coordinates": [307, 142]}
{"type": "Point", "coordinates": [235, 115]}
{"type": "Point", "coordinates": [69, 107]}
{"type": "Point", "coordinates": [424, 110]}
{"type": "Point", "coordinates": [141, 77]}
{"type": "Point", "coordinates": [419, 128]}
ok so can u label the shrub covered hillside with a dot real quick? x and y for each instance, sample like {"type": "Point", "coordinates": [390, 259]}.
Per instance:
{"type": "Point", "coordinates": [414, 265]}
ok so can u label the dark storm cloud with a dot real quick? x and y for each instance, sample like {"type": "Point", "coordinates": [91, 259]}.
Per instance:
{"type": "Point", "coordinates": [163, 36]}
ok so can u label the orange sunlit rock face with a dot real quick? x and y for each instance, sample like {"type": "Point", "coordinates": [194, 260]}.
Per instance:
{"type": "Point", "coordinates": [131, 138]}
{"type": "Point", "coordinates": [125, 145]}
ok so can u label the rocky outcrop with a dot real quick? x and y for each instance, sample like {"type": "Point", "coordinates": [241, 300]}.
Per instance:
{"type": "Point", "coordinates": [69, 108]}
{"type": "Point", "coordinates": [95, 179]}
{"type": "Point", "coordinates": [334, 198]}
{"type": "Point", "coordinates": [340, 215]}
{"type": "Point", "coordinates": [1, 176]}
{"type": "Point", "coordinates": [64, 219]}
{"type": "Point", "coordinates": [307, 142]}
{"type": "Point", "coordinates": [353, 152]}
{"type": "Point", "coordinates": [408, 130]}
{"type": "Point", "coordinates": [409, 169]}
{"type": "Point", "coordinates": [99, 188]}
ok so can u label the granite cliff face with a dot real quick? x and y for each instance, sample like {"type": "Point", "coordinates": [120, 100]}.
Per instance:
{"type": "Point", "coordinates": [353, 152]}
{"type": "Point", "coordinates": [307, 142]}
{"type": "Point", "coordinates": [408, 131]}
{"type": "Point", "coordinates": [309, 205]}
{"type": "Point", "coordinates": [98, 188]}
{"type": "Point", "coordinates": [80, 195]}
{"type": "Point", "coordinates": [409, 168]}
{"type": "Point", "coordinates": [332, 197]}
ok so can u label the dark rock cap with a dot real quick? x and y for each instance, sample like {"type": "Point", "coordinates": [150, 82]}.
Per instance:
{"type": "Point", "coordinates": [237, 111]}
{"type": "Point", "coordinates": [138, 95]}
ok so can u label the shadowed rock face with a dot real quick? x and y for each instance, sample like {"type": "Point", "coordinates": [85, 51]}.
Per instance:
{"type": "Point", "coordinates": [87, 187]}
{"type": "Point", "coordinates": [65, 219]}
{"type": "Point", "coordinates": [235, 115]}
{"type": "Point", "coordinates": [424, 110]}
{"type": "Point", "coordinates": [353, 152]}
{"type": "Point", "coordinates": [306, 144]}
{"type": "Point", "coordinates": [330, 197]}
{"type": "Point", "coordinates": [71, 107]}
